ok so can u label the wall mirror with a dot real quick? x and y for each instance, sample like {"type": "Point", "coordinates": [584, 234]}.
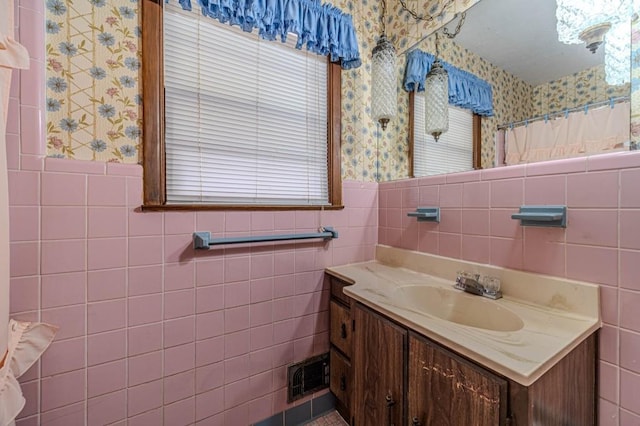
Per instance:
{"type": "Point", "coordinates": [513, 45]}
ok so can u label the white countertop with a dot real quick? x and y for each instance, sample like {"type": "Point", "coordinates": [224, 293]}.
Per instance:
{"type": "Point", "coordinates": [557, 314]}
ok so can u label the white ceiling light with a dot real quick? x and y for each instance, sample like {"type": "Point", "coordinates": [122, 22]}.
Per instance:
{"type": "Point", "coordinates": [599, 22]}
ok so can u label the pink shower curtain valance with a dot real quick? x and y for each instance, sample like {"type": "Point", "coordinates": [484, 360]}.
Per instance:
{"type": "Point", "coordinates": [597, 131]}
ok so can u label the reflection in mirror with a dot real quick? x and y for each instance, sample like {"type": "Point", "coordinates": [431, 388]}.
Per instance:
{"type": "Point", "coordinates": [537, 83]}
{"type": "Point", "coordinates": [457, 150]}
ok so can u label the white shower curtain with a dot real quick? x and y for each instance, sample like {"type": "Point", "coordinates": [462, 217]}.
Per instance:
{"type": "Point", "coordinates": [21, 343]}
{"type": "Point", "coordinates": [598, 130]}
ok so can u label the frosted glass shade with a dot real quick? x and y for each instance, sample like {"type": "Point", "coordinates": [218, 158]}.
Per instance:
{"type": "Point", "coordinates": [384, 98]}
{"type": "Point", "coordinates": [597, 22]}
{"type": "Point", "coordinates": [617, 54]}
{"type": "Point", "coordinates": [436, 101]}
{"type": "Point", "coordinates": [575, 16]}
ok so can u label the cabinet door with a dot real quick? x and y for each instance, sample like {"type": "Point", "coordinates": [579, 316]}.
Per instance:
{"type": "Point", "coordinates": [341, 382]}
{"type": "Point", "coordinates": [378, 360]}
{"type": "Point", "coordinates": [341, 327]}
{"type": "Point", "coordinates": [445, 390]}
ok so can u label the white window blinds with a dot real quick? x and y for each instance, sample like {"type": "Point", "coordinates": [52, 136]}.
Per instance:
{"type": "Point", "coordinates": [246, 119]}
{"type": "Point", "coordinates": [454, 150]}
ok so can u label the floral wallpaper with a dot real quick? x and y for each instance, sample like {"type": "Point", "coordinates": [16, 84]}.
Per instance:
{"type": "Point", "coordinates": [93, 95]}
{"type": "Point", "coordinates": [359, 148]}
{"type": "Point", "coordinates": [575, 90]}
{"type": "Point", "coordinates": [93, 62]}
{"type": "Point", "coordinates": [94, 104]}
{"type": "Point", "coordinates": [93, 91]}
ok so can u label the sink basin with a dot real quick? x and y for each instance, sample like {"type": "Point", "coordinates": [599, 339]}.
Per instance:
{"type": "Point", "coordinates": [460, 308]}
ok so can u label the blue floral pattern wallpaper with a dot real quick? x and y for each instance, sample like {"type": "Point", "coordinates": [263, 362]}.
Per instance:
{"type": "Point", "coordinates": [94, 103]}
{"type": "Point", "coordinates": [93, 97]}
{"type": "Point", "coordinates": [358, 140]}
{"type": "Point", "coordinates": [575, 90]}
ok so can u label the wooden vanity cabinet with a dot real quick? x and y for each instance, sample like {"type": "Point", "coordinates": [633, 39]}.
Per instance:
{"type": "Point", "coordinates": [566, 395]}
{"type": "Point", "coordinates": [396, 376]}
{"type": "Point", "coordinates": [379, 354]}
{"type": "Point", "coordinates": [446, 390]}
{"type": "Point", "coordinates": [340, 352]}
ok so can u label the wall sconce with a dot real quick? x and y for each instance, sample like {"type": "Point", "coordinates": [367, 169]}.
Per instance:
{"type": "Point", "coordinates": [384, 97]}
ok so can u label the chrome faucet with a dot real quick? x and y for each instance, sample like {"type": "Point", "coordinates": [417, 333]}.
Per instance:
{"type": "Point", "coordinates": [481, 285]}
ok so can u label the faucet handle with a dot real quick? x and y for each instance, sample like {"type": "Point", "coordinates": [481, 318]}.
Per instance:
{"type": "Point", "coordinates": [468, 282]}
{"type": "Point", "coordinates": [464, 275]}
{"type": "Point", "coordinates": [483, 285]}
{"type": "Point", "coordinates": [491, 284]}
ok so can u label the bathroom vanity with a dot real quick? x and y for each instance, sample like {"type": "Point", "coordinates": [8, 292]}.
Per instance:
{"type": "Point", "coordinates": [408, 349]}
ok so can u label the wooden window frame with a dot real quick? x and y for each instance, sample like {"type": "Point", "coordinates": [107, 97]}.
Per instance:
{"type": "Point", "coordinates": [153, 139]}
{"type": "Point", "coordinates": [476, 131]}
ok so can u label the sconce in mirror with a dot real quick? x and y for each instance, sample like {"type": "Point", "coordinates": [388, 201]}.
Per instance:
{"type": "Point", "coordinates": [513, 45]}
{"type": "Point", "coordinates": [595, 23]}
{"type": "Point", "coordinates": [436, 101]}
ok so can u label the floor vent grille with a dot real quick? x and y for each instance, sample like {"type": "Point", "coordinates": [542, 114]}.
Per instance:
{"type": "Point", "coordinates": [307, 376]}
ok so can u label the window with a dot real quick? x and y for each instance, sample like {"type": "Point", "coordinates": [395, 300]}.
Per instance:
{"type": "Point", "coordinates": [233, 121]}
{"type": "Point", "coordinates": [457, 150]}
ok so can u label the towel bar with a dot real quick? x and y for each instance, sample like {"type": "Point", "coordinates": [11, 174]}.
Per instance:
{"type": "Point", "coordinates": [203, 240]}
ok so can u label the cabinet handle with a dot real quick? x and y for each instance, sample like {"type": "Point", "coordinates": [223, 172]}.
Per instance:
{"type": "Point", "coordinates": [415, 422]}
{"type": "Point", "coordinates": [343, 382]}
{"type": "Point", "coordinates": [390, 403]}
{"type": "Point", "coordinates": [343, 331]}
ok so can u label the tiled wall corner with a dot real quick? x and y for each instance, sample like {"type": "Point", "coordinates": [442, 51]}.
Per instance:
{"type": "Point", "coordinates": [600, 243]}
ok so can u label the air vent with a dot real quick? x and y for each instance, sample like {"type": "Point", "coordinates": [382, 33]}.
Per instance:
{"type": "Point", "coordinates": [307, 376]}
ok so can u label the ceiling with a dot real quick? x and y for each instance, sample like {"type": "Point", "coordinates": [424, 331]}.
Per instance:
{"type": "Point", "coordinates": [520, 37]}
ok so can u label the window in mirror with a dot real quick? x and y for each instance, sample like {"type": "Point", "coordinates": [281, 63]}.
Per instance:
{"type": "Point", "coordinates": [457, 150]}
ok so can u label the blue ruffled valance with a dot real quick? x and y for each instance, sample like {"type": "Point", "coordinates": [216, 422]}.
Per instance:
{"type": "Point", "coordinates": [322, 28]}
{"type": "Point", "coordinates": [465, 89]}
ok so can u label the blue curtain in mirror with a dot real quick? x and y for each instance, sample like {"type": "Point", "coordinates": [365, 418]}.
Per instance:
{"type": "Point", "coordinates": [321, 28]}
{"type": "Point", "coordinates": [465, 89]}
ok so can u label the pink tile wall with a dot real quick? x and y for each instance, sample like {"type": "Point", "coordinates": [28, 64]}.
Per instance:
{"type": "Point", "coordinates": [601, 243]}
{"type": "Point", "coordinates": [152, 332]}
{"type": "Point", "coordinates": [152, 329]}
